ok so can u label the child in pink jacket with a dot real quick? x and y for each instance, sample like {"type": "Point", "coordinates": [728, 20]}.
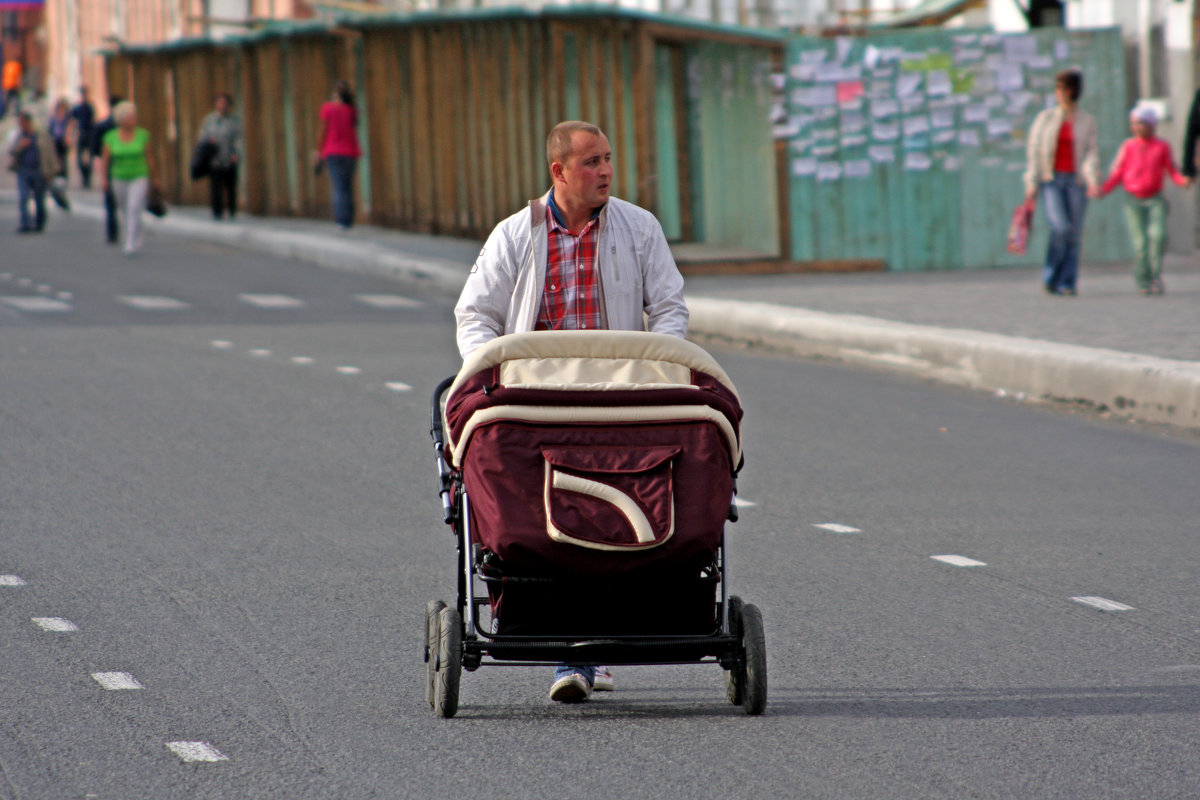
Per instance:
{"type": "Point", "coordinates": [1139, 167]}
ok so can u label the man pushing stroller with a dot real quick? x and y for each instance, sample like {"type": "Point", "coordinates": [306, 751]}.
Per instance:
{"type": "Point", "coordinates": [574, 259]}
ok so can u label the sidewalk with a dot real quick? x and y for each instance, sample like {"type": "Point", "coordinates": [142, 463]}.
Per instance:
{"type": "Point", "coordinates": [986, 329]}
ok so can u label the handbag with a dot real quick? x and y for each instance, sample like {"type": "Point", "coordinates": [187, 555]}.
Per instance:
{"type": "Point", "coordinates": [1019, 228]}
{"type": "Point", "coordinates": [156, 204]}
{"type": "Point", "coordinates": [202, 157]}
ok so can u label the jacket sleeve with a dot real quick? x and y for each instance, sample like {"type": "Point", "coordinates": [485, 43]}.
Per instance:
{"type": "Point", "coordinates": [1032, 152]}
{"type": "Point", "coordinates": [1117, 173]}
{"type": "Point", "coordinates": [1188, 155]}
{"type": "Point", "coordinates": [1089, 163]}
{"type": "Point", "coordinates": [482, 308]}
{"type": "Point", "coordinates": [662, 287]}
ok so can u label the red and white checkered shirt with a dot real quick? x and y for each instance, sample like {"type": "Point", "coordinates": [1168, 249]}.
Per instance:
{"type": "Point", "coordinates": [570, 297]}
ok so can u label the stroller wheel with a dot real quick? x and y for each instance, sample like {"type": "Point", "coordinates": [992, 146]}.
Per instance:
{"type": "Point", "coordinates": [449, 663]}
{"type": "Point", "coordinates": [735, 679]}
{"type": "Point", "coordinates": [755, 642]}
{"type": "Point", "coordinates": [432, 609]}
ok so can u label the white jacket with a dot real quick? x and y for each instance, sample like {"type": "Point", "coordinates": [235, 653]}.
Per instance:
{"type": "Point", "coordinates": [503, 293]}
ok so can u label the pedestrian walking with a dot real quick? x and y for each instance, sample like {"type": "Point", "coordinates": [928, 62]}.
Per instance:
{"type": "Point", "coordinates": [32, 157]}
{"type": "Point", "coordinates": [58, 126]}
{"type": "Point", "coordinates": [128, 169]}
{"type": "Point", "coordinates": [1062, 164]}
{"type": "Point", "coordinates": [83, 119]}
{"type": "Point", "coordinates": [10, 83]}
{"type": "Point", "coordinates": [339, 150]}
{"type": "Point", "coordinates": [574, 259]}
{"type": "Point", "coordinates": [99, 131]}
{"type": "Point", "coordinates": [1139, 168]}
{"type": "Point", "coordinates": [223, 130]}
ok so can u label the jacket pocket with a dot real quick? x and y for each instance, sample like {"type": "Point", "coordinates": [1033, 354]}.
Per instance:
{"type": "Point", "coordinates": [616, 498]}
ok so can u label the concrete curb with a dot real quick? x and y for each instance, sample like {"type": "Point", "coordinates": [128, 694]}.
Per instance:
{"type": "Point", "coordinates": [1145, 388]}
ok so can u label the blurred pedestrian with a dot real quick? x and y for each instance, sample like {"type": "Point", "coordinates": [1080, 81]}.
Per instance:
{"type": "Point", "coordinates": [83, 118]}
{"type": "Point", "coordinates": [99, 131]}
{"type": "Point", "coordinates": [224, 130]}
{"type": "Point", "coordinates": [127, 165]}
{"type": "Point", "coordinates": [58, 126]}
{"type": "Point", "coordinates": [1139, 167]}
{"type": "Point", "coordinates": [1063, 163]}
{"type": "Point", "coordinates": [339, 150]}
{"type": "Point", "coordinates": [32, 157]}
{"type": "Point", "coordinates": [10, 83]}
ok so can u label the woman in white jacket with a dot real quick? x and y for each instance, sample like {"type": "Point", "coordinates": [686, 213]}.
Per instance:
{"type": "Point", "coordinates": [1063, 164]}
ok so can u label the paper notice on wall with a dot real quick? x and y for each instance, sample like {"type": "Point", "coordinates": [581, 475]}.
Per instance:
{"type": "Point", "coordinates": [882, 153]}
{"type": "Point", "coordinates": [937, 83]}
{"type": "Point", "coordinates": [975, 112]}
{"type": "Point", "coordinates": [964, 39]}
{"type": "Point", "coordinates": [999, 128]}
{"type": "Point", "coordinates": [943, 137]}
{"type": "Point", "coordinates": [885, 132]}
{"type": "Point", "coordinates": [824, 150]}
{"type": "Point", "coordinates": [778, 81]}
{"type": "Point", "coordinates": [942, 118]}
{"type": "Point", "coordinates": [907, 83]}
{"type": "Point", "coordinates": [844, 45]}
{"type": "Point", "coordinates": [825, 134]}
{"type": "Point", "coordinates": [1041, 62]}
{"type": "Point", "coordinates": [968, 137]}
{"type": "Point", "coordinates": [917, 162]}
{"type": "Point", "coordinates": [849, 91]}
{"type": "Point", "coordinates": [994, 100]}
{"type": "Point", "coordinates": [1010, 78]}
{"type": "Point", "coordinates": [913, 103]}
{"type": "Point", "coordinates": [828, 171]}
{"type": "Point", "coordinates": [1062, 49]}
{"type": "Point", "coordinates": [1020, 48]}
{"type": "Point", "coordinates": [801, 145]}
{"type": "Point", "coordinates": [815, 96]}
{"type": "Point", "coordinates": [871, 57]}
{"type": "Point", "coordinates": [952, 164]}
{"type": "Point", "coordinates": [884, 108]}
{"type": "Point", "coordinates": [804, 167]}
{"type": "Point", "coordinates": [916, 124]}
{"type": "Point", "coordinates": [805, 73]}
{"type": "Point", "coordinates": [858, 168]}
{"type": "Point", "coordinates": [813, 56]}
{"type": "Point", "coordinates": [835, 73]}
{"type": "Point", "coordinates": [968, 55]}
{"type": "Point", "coordinates": [856, 140]}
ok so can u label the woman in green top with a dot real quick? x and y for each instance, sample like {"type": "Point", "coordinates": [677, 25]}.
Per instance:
{"type": "Point", "coordinates": [127, 166]}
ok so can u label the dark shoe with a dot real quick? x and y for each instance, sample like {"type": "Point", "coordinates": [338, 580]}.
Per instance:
{"type": "Point", "coordinates": [23, 229]}
{"type": "Point", "coordinates": [1067, 292]}
{"type": "Point", "coordinates": [573, 688]}
{"type": "Point", "coordinates": [1049, 287]}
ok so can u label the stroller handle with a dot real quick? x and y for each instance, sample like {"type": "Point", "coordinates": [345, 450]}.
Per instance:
{"type": "Point", "coordinates": [438, 434]}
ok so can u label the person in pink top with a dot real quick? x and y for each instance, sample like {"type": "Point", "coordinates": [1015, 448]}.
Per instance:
{"type": "Point", "coordinates": [1139, 167]}
{"type": "Point", "coordinates": [339, 150]}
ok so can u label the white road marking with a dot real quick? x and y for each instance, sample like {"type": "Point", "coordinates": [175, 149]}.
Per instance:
{"type": "Point", "coordinates": [36, 303]}
{"type": "Point", "coordinates": [301, 360]}
{"type": "Point", "coordinates": [6, 276]}
{"type": "Point", "coordinates": [260, 352]}
{"type": "Point", "coordinates": [959, 561]}
{"type": "Point", "coordinates": [388, 301]}
{"type": "Point", "coordinates": [397, 386]}
{"type": "Point", "coordinates": [349, 370]}
{"type": "Point", "coordinates": [740, 503]}
{"type": "Point", "coordinates": [147, 302]}
{"type": "Point", "coordinates": [834, 527]}
{"type": "Point", "coordinates": [221, 344]}
{"type": "Point", "coordinates": [114, 681]}
{"type": "Point", "coordinates": [196, 751]}
{"type": "Point", "coordinates": [24, 282]}
{"type": "Point", "coordinates": [45, 288]}
{"type": "Point", "coordinates": [55, 624]}
{"type": "Point", "coordinates": [1102, 603]}
{"type": "Point", "coordinates": [271, 300]}
{"type": "Point", "coordinates": [11, 580]}
{"type": "Point", "coordinates": [64, 296]}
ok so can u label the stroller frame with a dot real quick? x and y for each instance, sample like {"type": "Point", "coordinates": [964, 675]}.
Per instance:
{"type": "Point", "coordinates": [456, 639]}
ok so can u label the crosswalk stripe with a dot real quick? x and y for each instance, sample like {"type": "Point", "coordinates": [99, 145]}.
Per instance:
{"type": "Point", "coordinates": [36, 304]}
{"type": "Point", "coordinates": [388, 301]}
{"type": "Point", "coordinates": [271, 301]}
{"type": "Point", "coordinates": [196, 751]}
{"type": "Point", "coordinates": [148, 302]}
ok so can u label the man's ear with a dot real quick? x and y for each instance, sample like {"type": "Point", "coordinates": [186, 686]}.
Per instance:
{"type": "Point", "coordinates": [556, 170]}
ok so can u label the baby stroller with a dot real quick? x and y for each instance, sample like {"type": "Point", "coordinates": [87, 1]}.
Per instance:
{"type": "Point", "coordinates": [587, 477]}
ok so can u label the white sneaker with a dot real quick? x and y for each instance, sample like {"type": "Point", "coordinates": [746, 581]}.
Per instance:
{"type": "Point", "coordinates": [603, 682]}
{"type": "Point", "coordinates": [573, 688]}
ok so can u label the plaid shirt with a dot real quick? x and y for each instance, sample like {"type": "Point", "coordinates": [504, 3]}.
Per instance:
{"type": "Point", "coordinates": [570, 299]}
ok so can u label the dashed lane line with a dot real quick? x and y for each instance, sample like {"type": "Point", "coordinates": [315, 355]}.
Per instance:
{"type": "Point", "coordinates": [836, 527]}
{"type": "Point", "coordinates": [349, 370]}
{"type": "Point", "coordinates": [742, 502]}
{"type": "Point", "coordinates": [36, 304]}
{"type": "Point", "coordinates": [192, 752]}
{"type": "Point", "coordinates": [11, 580]}
{"type": "Point", "coordinates": [301, 360]}
{"type": "Point", "coordinates": [388, 301]}
{"type": "Point", "coordinates": [271, 301]}
{"type": "Point", "coordinates": [1102, 603]}
{"type": "Point", "coordinates": [222, 344]}
{"type": "Point", "coordinates": [398, 386]}
{"type": "Point", "coordinates": [116, 681]}
{"type": "Point", "coordinates": [55, 624]}
{"type": "Point", "coordinates": [146, 302]}
{"type": "Point", "coordinates": [959, 561]}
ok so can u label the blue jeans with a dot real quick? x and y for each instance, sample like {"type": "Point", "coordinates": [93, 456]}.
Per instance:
{"type": "Point", "coordinates": [341, 180]}
{"type": "Point", "coordinates": [31, 185]}
{"type": "Point", "coordinates": [1065, 199]}
{"type": "Point", "coordinates": [566, 669]}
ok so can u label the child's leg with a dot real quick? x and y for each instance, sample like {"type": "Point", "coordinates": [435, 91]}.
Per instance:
{"type": "Point", "coordinates": [1156, 232]}
{"type": "Point", "coordinates": [1135, 218]}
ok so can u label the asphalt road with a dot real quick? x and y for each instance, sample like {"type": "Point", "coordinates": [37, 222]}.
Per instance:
{"type": "Point", "coordinates": [230, 500]}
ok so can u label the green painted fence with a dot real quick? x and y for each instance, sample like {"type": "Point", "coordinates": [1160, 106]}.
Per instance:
{"type": "Point", "coordinates": [910, 147]}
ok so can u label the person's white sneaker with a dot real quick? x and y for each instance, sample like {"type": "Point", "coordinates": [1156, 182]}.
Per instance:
{"type": "Point", "coordinates": [573, 688]}
{"type": "Point", "coordinates": [603, 682]}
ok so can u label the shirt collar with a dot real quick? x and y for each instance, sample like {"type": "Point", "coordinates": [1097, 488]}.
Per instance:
{"type": "Point", "coordinates": [559, 219]}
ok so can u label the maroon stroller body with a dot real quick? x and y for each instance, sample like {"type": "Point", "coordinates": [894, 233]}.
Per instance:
{"type": "Point", "coordinates": [588, 477]}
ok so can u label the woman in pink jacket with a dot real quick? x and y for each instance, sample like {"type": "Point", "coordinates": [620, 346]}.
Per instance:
{"type": "Point", "coordinates": [1139, 167]}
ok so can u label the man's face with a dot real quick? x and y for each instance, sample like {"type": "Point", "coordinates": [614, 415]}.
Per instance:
{"type": "Point", "coordinates": [222, 105]}
{"type": "Point", "coordinates": [585, 177]}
